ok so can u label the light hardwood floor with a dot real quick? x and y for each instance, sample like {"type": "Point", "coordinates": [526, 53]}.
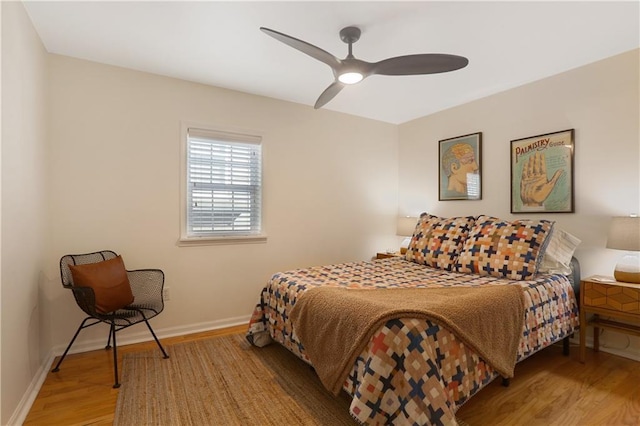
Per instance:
{"type": "Point", "coordinates": [552, 389]}
{"type": "Point", "coordinates": [548, 389]}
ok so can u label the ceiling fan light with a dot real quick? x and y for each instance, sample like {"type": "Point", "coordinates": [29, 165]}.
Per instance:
{"type": "Point", "coordinates": [350, 77]}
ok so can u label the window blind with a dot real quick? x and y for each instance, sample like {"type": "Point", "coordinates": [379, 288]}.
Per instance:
{"type": "Point", "coordinates": [224, 179]}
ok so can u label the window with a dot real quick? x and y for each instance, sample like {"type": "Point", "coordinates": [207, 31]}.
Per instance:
{"type": "Point", "coordinates": [223, 182]}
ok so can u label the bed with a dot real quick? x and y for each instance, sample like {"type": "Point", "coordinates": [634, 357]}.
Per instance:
{"type": "Point", "coordinates": [416, 367]}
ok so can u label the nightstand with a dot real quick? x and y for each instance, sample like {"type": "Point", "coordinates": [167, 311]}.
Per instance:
{"type": "Point", "coordinates": [385, 255]}
{"type": "Point", "coordinates": [613, 299]}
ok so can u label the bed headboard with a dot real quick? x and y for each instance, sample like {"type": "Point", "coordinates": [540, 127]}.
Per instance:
{"type": "Point", "coordinates": [574, 277]}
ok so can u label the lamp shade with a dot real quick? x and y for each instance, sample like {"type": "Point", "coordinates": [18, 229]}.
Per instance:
{"type": "Point", "coordinates": [406, 225]}
{"type": "Point", "coordinates": [624, 233]}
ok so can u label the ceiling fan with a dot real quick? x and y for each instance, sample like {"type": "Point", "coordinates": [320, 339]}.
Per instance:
{"type": "Point", "coordinates": [351, 70]}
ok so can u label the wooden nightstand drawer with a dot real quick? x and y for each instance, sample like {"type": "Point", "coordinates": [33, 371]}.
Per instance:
{"type": "Point", "coordinates": [614, 297]}
{"type": "Point", "coordinates": [618, 301]}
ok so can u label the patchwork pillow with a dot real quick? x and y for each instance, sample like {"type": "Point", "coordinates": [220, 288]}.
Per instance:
{"type": "Point", "coordinates": [109, 281]}
{"type": "Point", "coordinates": [437, 241]}
{"type": "Point", "coordinates": [504, 249]}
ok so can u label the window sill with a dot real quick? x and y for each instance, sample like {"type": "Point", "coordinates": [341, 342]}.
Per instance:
{"type": "Point", "coordinates": [213, 241]}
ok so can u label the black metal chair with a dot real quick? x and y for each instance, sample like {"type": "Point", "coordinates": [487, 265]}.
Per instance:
{"type": "Point", "coordinates": [146, 285]}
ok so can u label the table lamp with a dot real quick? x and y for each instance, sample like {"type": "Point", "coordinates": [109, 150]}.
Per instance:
{"type": "Point", "coordinates": [624, 234]}
{"type": "Point", "coordinates": [405, 228]}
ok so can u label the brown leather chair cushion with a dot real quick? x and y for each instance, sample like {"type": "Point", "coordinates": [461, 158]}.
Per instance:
{"type": "Point", "coordinates": [109, 282]}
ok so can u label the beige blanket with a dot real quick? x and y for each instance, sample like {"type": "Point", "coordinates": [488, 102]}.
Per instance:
{"type": "Point", "coordinates": [335, 324]}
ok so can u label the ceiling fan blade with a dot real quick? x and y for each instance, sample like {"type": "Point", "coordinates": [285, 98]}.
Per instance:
{"type": "Point", "coordinates": [304, 47]}
{"type": "Point", "coordinates": [328, 94]}
{"type": "Point", "coordinates": [427, 63]}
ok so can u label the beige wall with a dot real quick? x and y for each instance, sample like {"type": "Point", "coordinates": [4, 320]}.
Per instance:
{"type": "Point", "coordinates": [600, 101]}
{"type": "Point", "coordinates": [330, 189]}
{"type": "Point", "coordinates": [25, 218]}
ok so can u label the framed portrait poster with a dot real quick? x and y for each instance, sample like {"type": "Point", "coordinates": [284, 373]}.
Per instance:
{"type": "Point", "coordinates": [459, 171]}
{"type": "Point", "coordinates": [542, 173]}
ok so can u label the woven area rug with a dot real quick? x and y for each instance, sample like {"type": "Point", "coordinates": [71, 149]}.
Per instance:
{"type": "Point", "coordinates": [224, 381]}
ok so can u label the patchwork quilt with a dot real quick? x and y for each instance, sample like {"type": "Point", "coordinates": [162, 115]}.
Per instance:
{"type": "Point", "coordinates": [413, 372]}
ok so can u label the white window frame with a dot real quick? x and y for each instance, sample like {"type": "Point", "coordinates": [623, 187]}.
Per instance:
{"type": "Point", "coordinates": [225, 135]}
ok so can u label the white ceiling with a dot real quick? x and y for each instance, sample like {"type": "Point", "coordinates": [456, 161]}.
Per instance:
{"type": "Point", "coordinates": [219, 43]}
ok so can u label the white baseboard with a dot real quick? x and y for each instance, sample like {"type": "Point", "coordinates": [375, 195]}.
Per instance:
{"type": "Point", "coordinates": [22, 410]}
{"type": "Point", "coordinates": [142, 334]}
{"type": "Point", "coordinates": [630, 352]}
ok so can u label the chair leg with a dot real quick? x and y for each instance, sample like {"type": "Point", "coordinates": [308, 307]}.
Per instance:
{"type": "Point", "coordinates": [112, 333]}
{"type": "Point", "coordinates": [57, 367]}
{"type": "Point", "coordinates": [164, 353]}
{"type": "Point", "coordinates": [108, 342]}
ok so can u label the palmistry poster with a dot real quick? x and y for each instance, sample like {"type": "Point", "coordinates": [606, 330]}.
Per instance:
{"type": "Point", "coordinates": [542, 173]}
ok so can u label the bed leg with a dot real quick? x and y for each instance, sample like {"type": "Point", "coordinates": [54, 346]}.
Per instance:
{"type": "Point", "coordinates": [565, 346]}
{"type": "Point", "coordinates": [506, 382]}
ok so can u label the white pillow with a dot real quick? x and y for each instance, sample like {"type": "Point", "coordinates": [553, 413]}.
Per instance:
{"type": "Point", "coordinates": [557, 256]}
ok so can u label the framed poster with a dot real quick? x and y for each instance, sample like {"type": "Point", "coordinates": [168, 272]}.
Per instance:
{"type": "Point", "coordinates": [542, 173]}
{"type": "Point", "coordinates": [459, 172]}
